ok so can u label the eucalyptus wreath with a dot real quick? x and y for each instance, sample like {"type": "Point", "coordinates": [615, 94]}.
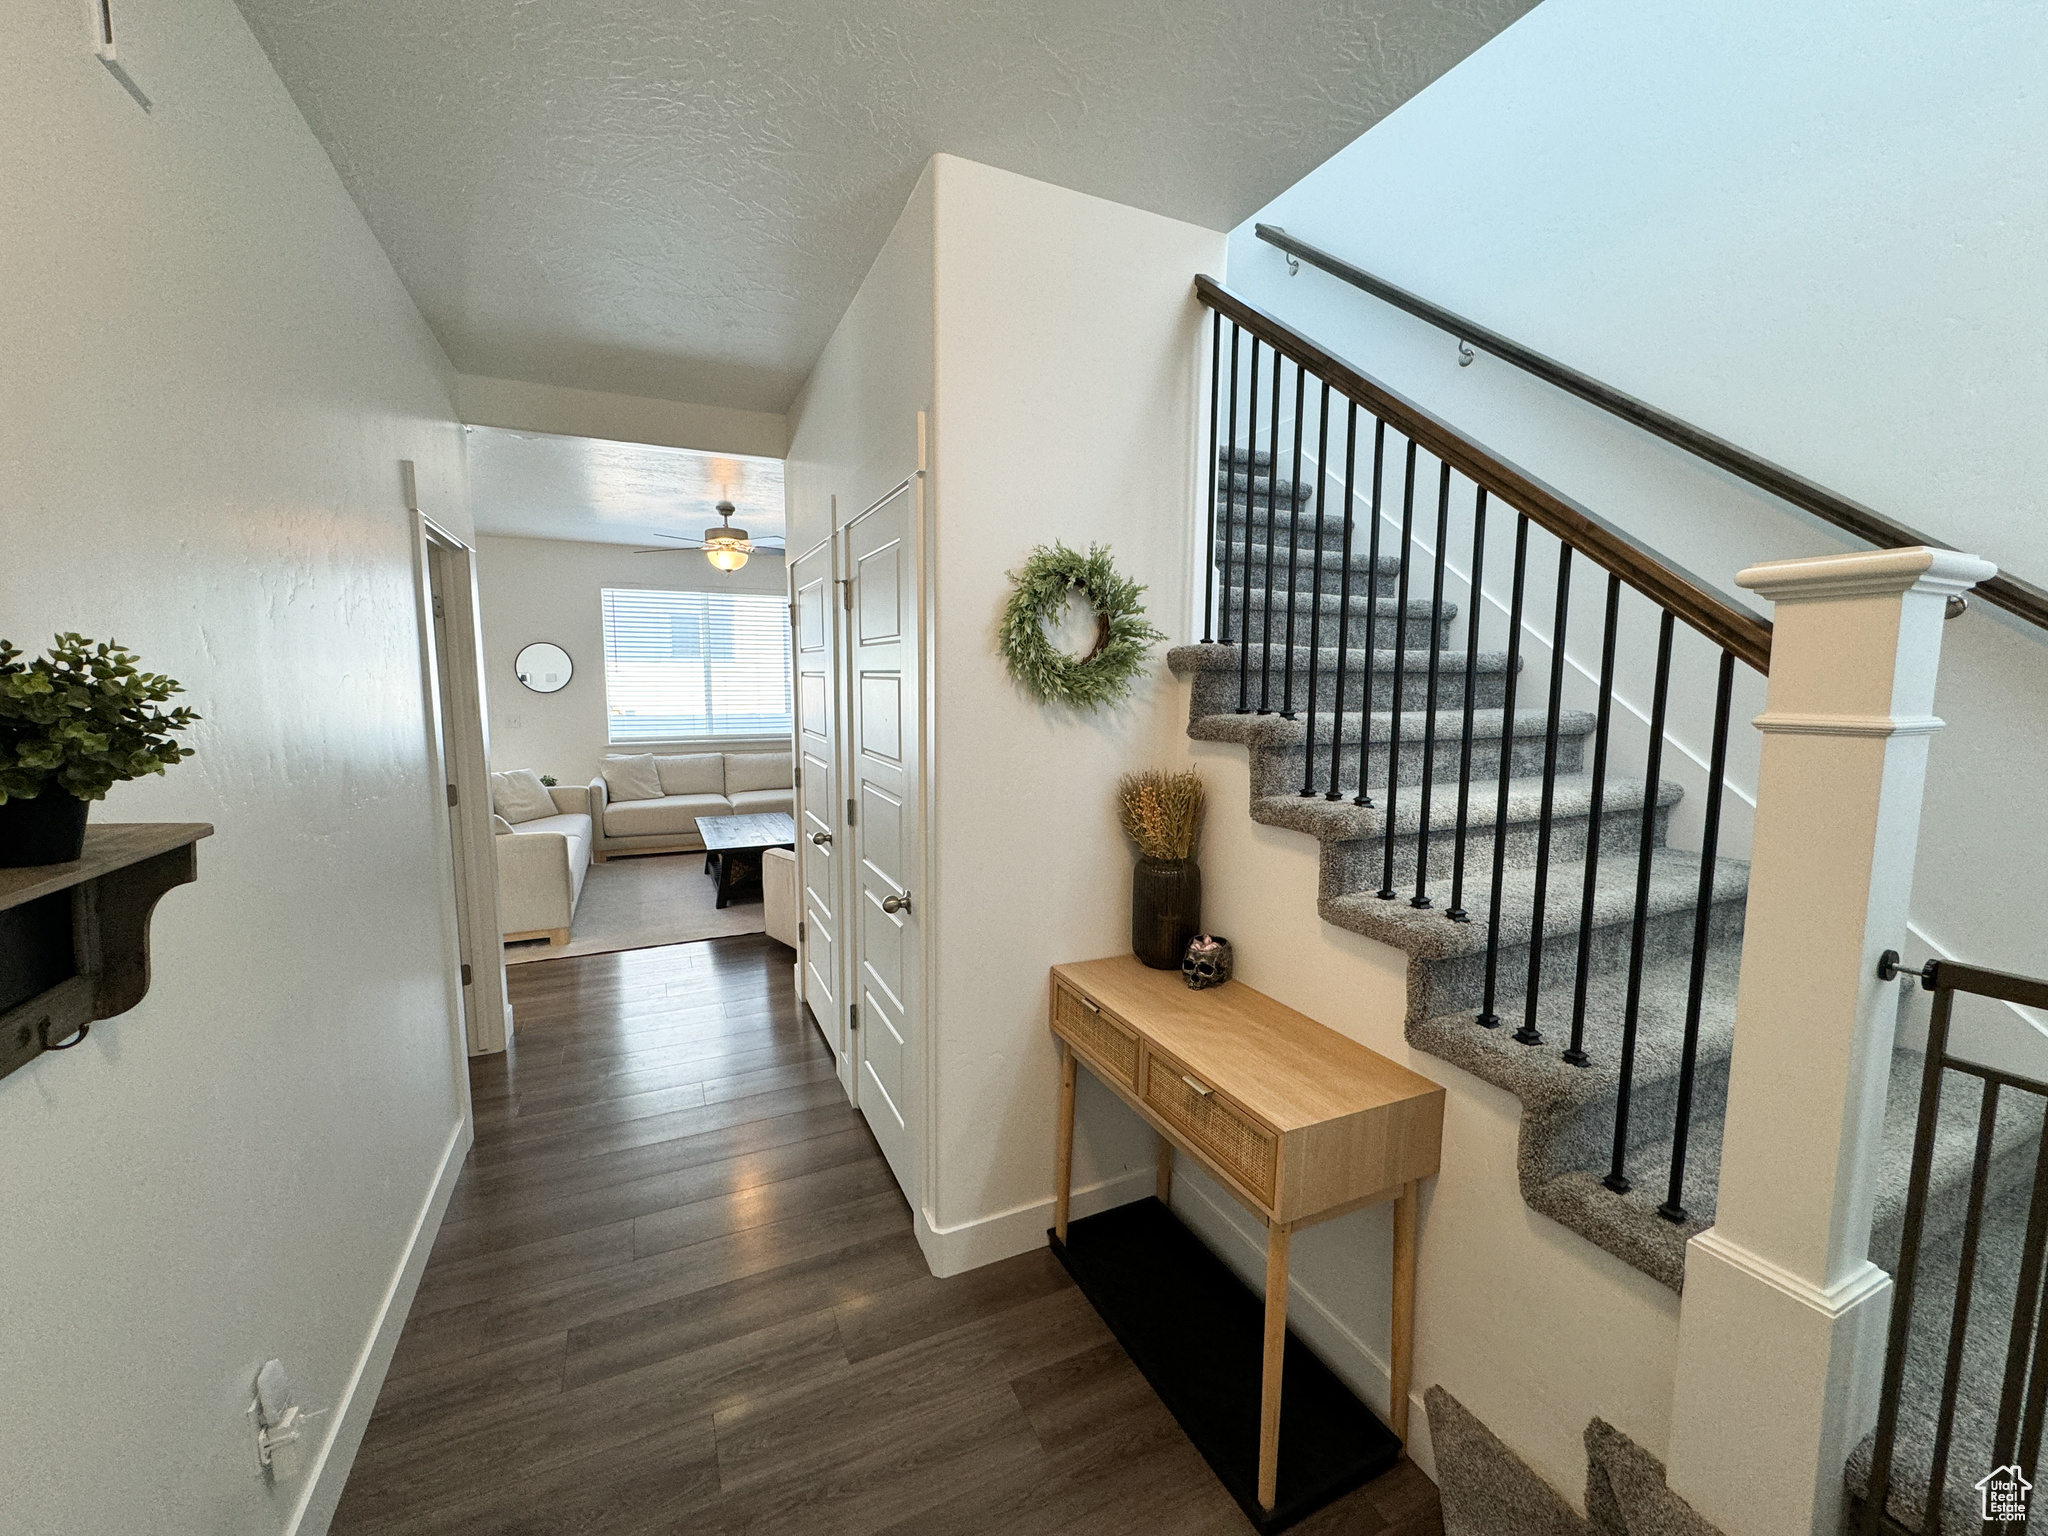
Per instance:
{"type": "Point", "coordinates": [1039, 590]}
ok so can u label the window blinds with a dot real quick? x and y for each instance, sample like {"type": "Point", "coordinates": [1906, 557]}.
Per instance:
{"type": "Point", "coordinates": [684, 665]}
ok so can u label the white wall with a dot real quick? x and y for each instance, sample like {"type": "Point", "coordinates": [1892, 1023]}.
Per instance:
{"type": "Point", "coordinates": [211, 375]}
{"type": "Point", "coordinates": [523, 406]}
{"type": "Point", "coordinates": [551, 589]}
{"type": "Point", "coordinates": [1812, 230]}
{"type": "Point", "coordinates": [853, 426]}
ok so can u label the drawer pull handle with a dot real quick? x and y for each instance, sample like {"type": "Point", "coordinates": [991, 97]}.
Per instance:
{"type": "Point", "coordinates": [1202, 1088]}
{"type": "Point", "coordinates": [1091, 1007]}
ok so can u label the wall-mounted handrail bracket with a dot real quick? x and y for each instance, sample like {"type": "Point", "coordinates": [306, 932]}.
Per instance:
{"type": "Point", "coordinates": [74, 937]}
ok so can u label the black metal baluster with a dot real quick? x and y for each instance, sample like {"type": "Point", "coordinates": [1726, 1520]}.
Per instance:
{"type": "Point", "coordinates": [1387, 891]}
{"type": "Point", "coordinates": [1216, 466]}
{"type": "Point", "coordinates": [1477, 592]}
{"type": "Point", "coordinates": [1529, 1034]}
{"type": "Point", "coordinates": [1673, 1208]}
{"type": "Point", "coordinates": [1487, 1017]}
{"type": "Point", "coordinates": [1877, 1488]}
{"type": "Point", "coordinates": [2029, 1450]}
{"type": "Point", "coordinates": [1315, 612]}
{"type": "Point", "coordinates": [1966, 1279]}
{"type": "Point", "coordinates": [1653, 768]}
{"type": "Point", "coordinates": [1436, 619]}
{"type": "Point", "coordinates": [1272, 514]}
{"type": "Point", "coordinates": [1229, 488]}
{"type": "Point", "coordinates": [1293, 544]}
{"type": "Point", "coordinates": [1336, 791]}
{"type": "Point", "coordinates": [1251, 460]}
{"type": "Point", "coordinates": [2027, 1298]}
{"type": "Point", "coordinates": [1372, 606]}
{"type": "Point", "coordinates": [1576, 1055]}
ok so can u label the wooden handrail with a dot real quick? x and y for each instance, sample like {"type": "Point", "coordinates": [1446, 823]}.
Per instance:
{"type": "Point", "coordinates": [1735, 629]}
{"type": "Point", "coordinates": [2020, 598]}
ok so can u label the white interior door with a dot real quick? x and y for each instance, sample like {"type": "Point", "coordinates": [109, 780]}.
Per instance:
{"type": "Point", "coordinates": [884, 823]}
{"type": "Point", "coordinates": [819, 876]}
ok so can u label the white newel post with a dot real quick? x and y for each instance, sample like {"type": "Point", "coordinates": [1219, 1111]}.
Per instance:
{"type": "Point", "coordinates": [1781, 1328]}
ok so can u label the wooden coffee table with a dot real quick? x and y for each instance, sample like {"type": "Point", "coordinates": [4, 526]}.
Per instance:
{"type": "Point", "coordinates": [735, 845]}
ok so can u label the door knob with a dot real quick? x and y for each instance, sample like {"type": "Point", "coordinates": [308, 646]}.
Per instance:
{"type": "Point", "coordinates": [821, 838]}
{"type": "Point", "coordinates": [894, 904]}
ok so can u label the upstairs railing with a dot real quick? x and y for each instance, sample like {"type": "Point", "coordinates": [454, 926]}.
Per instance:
{"type": "Point", "coordinates": [1282, 581]}
{"type": "Point", "coordinates": [1985, 1393]}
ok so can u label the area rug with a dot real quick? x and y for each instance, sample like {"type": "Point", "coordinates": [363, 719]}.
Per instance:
{"type": "Point", "coordinates": [637, 903]}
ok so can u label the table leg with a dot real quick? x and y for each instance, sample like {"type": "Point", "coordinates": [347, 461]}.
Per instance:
{"type": "Point", "coordinates": [1063, 1194]}
{"type": "Point", "coordinates": [723, 875]}
{"type": "Point", "coordinates": [1277, 1238]}
{"type": "Point", "coordinates": [1402, 1345]}
{"type": "Point", "coordinates": [1162, 1184]}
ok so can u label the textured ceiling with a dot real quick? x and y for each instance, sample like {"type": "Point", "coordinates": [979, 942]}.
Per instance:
{"type": "Point", "coordinates": [678, 198]}
{"type": "Point", "coordinates": [537, 486]}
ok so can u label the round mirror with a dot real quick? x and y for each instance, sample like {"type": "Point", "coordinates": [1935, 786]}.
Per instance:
{"type": "Point", "coordinates": [544, 668]}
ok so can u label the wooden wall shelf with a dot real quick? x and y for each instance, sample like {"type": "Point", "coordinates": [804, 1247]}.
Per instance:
{"type": "Point", "coordinates": [74, 938]}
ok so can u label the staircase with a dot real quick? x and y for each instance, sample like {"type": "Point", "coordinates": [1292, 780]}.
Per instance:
{"type": "Point", "coordinates": [1650, 908]}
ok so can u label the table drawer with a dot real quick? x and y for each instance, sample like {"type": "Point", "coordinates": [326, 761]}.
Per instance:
{"type": "Point", "coordinates": [1240, 1145]}
{"type": "Point", "coordinates": [1106, 1042]}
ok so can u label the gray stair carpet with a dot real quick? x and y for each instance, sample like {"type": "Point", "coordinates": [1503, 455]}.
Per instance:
{"type": "Point", "coordinates": [1487, 1490]}
{"type": "Point", "coordinates": [1260, 695]}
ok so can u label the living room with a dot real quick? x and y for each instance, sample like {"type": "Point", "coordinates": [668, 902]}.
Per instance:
{"type": "Point", "coordinates": [633, 604]}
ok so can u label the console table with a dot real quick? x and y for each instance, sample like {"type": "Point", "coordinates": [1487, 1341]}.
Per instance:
{"type": "Point", "coordinates": [1299, 1123]}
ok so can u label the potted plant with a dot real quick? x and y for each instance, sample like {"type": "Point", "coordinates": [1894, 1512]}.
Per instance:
{"type": "Point", "coordinates": [1162, 814]}
{"type": "Point", "coordinates": [73, 724]}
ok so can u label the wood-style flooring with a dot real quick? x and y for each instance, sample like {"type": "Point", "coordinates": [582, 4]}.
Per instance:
{"type": "Point", "coordinates": [677, 1291]}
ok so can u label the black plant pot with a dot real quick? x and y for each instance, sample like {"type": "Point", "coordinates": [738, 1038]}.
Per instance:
{"type": "Point", "coordinates": [50, 829]}
{"type": "Point", "coordinates": [1166, 910]}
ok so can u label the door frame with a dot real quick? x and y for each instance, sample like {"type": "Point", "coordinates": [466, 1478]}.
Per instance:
{"type": "Point", "coordinates": [464, 840]}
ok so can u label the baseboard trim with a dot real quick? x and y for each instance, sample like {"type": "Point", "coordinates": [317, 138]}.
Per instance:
{"type": "Point", "coordinates": [987, 1239]}
{"type": "Point", "coordinates": [352, 1414]}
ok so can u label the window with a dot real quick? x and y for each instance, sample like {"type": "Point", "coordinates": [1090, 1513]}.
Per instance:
{"type": "Point", "coordinates": [684, 665]}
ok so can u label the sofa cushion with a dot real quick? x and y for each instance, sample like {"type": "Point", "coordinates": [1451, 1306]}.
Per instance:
{"type": "Point", "coordinates": [700, 773]}
{"type": "Point", "coordinates": [573, 825]}
{"type": "Point", "coordinates": [757, 770]}
{"type": "Point", "coordinates": [631, 778]}
{"type": "Point", "coordinates": [500, 825]}
{"type": "Point", "coordinates": [759, 802]}
{"type": "Point", "coordinates": [666, 816]}
{"type": "Point", "coordinates": [520, 796]}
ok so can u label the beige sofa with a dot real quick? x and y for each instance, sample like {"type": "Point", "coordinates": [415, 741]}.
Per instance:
{"type": "Point", "coordinates": [542, 862]}
{"type": "Point", "coordinates": [626, 818]}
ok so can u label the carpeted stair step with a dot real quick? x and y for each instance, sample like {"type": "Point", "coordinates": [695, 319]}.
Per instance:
{"type": "Point", "coordinates": [1354, 855]}
{"type": "Point", "coordinates": [1449, 975]}
{"type": "Point", "coordinates": [1217, 671]}
{"type": "Point", "coordinates": [1281, 745]}
{"type": "Point", "coordinates": [1242, 559]}
{"type": "Point", "coordinates": [1316, 620]}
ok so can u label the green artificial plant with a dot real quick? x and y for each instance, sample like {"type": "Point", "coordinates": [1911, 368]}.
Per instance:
{"type": "Point", "coordinates": [83, 718]}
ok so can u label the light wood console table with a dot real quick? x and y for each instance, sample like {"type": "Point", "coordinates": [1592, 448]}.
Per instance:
{"type": "Point", "coordinates": [1300, 1123]}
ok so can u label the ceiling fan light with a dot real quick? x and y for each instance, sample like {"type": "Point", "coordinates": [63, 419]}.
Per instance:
{"type": "Point", "coordinates": [725, 556]}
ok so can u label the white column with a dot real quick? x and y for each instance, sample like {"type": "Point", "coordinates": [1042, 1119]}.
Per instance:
{"type": "Point", "coordinates": [1781, 1329]}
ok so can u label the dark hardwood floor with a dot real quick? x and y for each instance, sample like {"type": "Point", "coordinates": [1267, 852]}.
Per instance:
{"type": "Point", "coordinates": [677, 1291]}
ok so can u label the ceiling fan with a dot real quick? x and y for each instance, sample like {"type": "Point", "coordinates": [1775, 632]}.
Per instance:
{"type": "Point", "coordinates": [726, 547]}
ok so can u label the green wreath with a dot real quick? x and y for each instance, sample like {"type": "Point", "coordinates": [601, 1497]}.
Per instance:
{"type": "Point", "coordinates": [1039, 591]}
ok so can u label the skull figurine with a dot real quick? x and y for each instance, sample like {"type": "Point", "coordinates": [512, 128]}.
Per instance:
{"type": "Point", "coordinates": [1208, 961]}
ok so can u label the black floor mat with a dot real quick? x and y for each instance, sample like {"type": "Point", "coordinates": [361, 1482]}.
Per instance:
{"type": "Point", "coordinates": [1197, 1333]}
